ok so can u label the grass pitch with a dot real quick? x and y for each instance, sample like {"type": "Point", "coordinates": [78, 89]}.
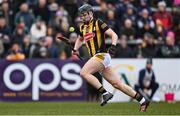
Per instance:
{"type": "Point", "coordinates": [85, 108]}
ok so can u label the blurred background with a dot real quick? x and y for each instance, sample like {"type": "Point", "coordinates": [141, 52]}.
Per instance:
{"type": "Point", "coordinates": [36, 67]}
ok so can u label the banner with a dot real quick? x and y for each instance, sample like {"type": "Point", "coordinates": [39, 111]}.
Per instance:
{"type": "Point", "coordinates": [41, 80]}
{"type": "Point", "coordinates": [167, 72]}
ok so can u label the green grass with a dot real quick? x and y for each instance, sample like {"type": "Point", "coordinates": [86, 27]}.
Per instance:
{"type": "Point", "coordinates": [88, 108]}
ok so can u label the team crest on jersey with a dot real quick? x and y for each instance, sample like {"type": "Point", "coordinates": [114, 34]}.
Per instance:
{"type": "Point", "coordinates": [88, 36]}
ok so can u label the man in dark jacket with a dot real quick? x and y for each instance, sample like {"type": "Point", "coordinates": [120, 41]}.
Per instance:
{"type": "Point", "coordinates": [147, 81]}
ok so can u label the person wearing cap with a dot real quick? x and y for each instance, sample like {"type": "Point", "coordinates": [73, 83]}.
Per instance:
{"type": "Point", "coordinates": [147, 81]}
{"type": "Point", "coordinates": [163, 16]}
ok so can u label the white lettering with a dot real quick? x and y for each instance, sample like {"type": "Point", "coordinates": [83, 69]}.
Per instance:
{"type": "Point", "coordinates": [37, 84]}
{"type": "Point", "coordinates": [7, 77]}
{"type": "Point", "coordinates": [69, 76]}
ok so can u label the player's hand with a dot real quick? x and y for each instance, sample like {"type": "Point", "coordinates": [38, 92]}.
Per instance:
{"type": "Point", "coordinates": [75, 52]}
{"type": "Point", "coordinates": [74, 57]}
{"type": "Point", "coordinates": [112, 50]}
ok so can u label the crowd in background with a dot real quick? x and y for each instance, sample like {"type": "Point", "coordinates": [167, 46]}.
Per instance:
{"type": "Point", "coordinates": [146, 28]}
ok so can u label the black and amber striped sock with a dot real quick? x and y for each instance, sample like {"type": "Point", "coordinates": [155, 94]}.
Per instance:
{"type": "Point", "coordinates": [138, 97]}
{"type": "Point", "coordinates": [102, 90]}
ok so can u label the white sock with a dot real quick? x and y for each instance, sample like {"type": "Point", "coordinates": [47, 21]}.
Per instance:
{"type": "Point", "coordinates": [142, 100]}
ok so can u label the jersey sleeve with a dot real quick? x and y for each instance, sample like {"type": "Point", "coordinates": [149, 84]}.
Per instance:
{"type": "Point", "coordinates": [79, 31]}
{"type": "Point", "coordinates": [102, 25]}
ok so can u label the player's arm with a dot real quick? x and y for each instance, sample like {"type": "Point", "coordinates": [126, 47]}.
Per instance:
{"type": "Point", "coordinates": [114, 38]}
{"type": "Point", "coordinates": [112, 35]}
{"type": "Point", "coordinates": [78, 43]}
{"type": "Point", "coordinates": [108, 31]}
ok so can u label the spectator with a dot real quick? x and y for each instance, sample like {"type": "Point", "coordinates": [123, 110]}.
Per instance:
{"type": "Point", "coordinates": [168, 2]}
{"type": "Point", "coordinates": [150, 49]}
{"type": "Point", "coordinates": [1, 49]}
{"type": "Point", "coordinates": [160, 33]}
{"type": "Point", "coordinates": [72, 37]}
{"type": "Point", "coordinates": [176, 2]}
{"type": "Point", "coordinates": [31, 3]}
{"type": "Point", "coordinates": [52, 49]}
{"type": "Point", "coordinates": [62, 11]}
{"type": "Point", "coordinates": [130, 14]}
{"type": "Point", "coordinates": [5, 33]}
{"type": "Point", "coordinates": [42, 10]}
{"type": "Point", "coordinates": [82, 51]}
{"type": "Point", "coordinates": [15, 53]}
{"type": "Point", "coordinates": [72, 8]}
{"type": "Point", "coordinates": [93, 2]}
{"type": "Point", "coordinates": [19, 33]}
{"type": "Point", "coordinates": [145, 23]}
{"type": "Point", "coordinates": [143, 4]}
{"type": "Point", "coordinates": [7, 12]}
{"type": "Point", "coordinates": [169, 50]}
{"type": "Point", "coordinates": [147, 81]}
{"type": "Point", "coordinates": [138, 49]}
{"type": "Point", "coordinates": [103, 10]}
{"type": "Point", "coordinates": [43, 53]}
{"type": "Point", "coordinates": [112, 22]}
{"type": "Point", "coordinates": [50, 31]}
{"type": "Point", "coordinates": [65, 28]}
{"type": "Point", "coordinates": [176, 15]}
{"type": "Point", "coordinates": [128, 31]}
{"type": "Point", "coordinates": [24, 15]}
{"type": "Point", "coordinates": [123, 51]}
{"type": "Point", "coordinates": [36, 53]}
{"type": "Point", "coordinates": [4, 28]}
{"type": "Point", "coordinates": [78, 22]}
{"type": "Point", "coordinates": [121, 9]}
{"type": "Point", "coordinates": [38, 29]}
{"type": "Point", "coordinates": [15, 5]}
{"type": "Point", "coordinates": [177, 33]}
{"type": "Point", "coordinates": [62, 47]}
{"type": "Point", "coordinates": [163, 16]}
{"type": "Point", "coordinates": [27, 46]}
{"type": "Point", "coordinates": [53, 7]}
{"type": "Point", "coordinates": [60, 24]}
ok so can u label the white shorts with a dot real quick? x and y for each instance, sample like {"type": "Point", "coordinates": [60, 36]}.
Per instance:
{"type": "Point", "coordinates": [104, 58]}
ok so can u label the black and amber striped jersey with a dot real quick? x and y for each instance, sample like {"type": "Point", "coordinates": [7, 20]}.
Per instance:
{"type": "Point", "coordinates": [94, 36]}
